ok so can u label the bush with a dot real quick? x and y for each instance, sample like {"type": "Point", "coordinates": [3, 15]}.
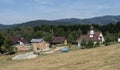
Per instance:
{"type": "Point", "coordinates": [90, 44]}
{"type": "Point", "coordinates": [83, 44]}
{"type": "Point", "coordinates": [7, 46]}
{"type": "Point", "coordinates": [69, 45]}
{"type": "Point", "coordinates": [97, 44]}
{"type": "Point", "coordinates": [106, 43]}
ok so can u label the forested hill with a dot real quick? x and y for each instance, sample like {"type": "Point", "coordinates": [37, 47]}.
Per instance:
{"type": "Point", "coordinates": [35, 23]}
{"type": "Point", "coordinates": [43, 22]}
{"type": "Point", "coordinates": [96, 20]}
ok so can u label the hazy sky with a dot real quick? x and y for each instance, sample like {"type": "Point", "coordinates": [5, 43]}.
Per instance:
{"type": "Point", "coordinates": [17, 11]}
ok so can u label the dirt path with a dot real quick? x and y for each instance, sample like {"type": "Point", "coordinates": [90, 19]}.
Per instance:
{"type": "Point", "coordinates": [52, 51]}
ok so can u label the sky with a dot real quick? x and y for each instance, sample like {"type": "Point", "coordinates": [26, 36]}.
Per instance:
{"type": "Point", "coordinates": [18, 11]}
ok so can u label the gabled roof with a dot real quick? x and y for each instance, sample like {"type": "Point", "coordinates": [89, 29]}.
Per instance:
{"type": "Point", "coordinates": [87, 37]}
{"type": "Point", "coordinates": [17, 38]}
{"type": "Point", "coordinates": [36, 40]}
{"type": "Point", "coordinates": [58, 40]}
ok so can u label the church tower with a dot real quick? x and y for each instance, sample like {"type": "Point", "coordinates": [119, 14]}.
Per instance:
{"type": "Point", "coordinates": [92, 31]}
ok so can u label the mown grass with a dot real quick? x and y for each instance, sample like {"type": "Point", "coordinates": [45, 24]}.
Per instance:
{"type": "Point", "coordinates": [100, 58]}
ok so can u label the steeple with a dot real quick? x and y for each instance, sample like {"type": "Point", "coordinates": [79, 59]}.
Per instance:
{"type": "Point", "coordinates": [91, 31]}
{"type": "Point", "coordinates": [91, 27]}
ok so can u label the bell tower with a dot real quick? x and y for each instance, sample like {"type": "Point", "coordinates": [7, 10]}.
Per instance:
{"type": "Point", "coordinates": [92, 31]}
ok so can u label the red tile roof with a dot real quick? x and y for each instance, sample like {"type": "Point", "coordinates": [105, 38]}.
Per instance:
{"type": "Point", "coordinates": [16, 39]}
{"type": "Point", "coordinates": [87, 37]}
{"type": "Point", "coordinates": [58, 40]}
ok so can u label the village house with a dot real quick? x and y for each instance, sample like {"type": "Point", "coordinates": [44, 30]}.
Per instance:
{"type": "Point", "coordinates": [95, 36]}
{"type": "Point", "coordinates": [59, 40]}
{"type": "Point", "coordinates": [39, 45]}
{"type": "Point", "coordinates": [20, 43]}
{"type": "Point", "coordinates": [18, 39]}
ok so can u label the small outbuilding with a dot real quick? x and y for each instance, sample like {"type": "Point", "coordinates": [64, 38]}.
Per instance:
{"type": "Point", "coordinates": [59, 40]}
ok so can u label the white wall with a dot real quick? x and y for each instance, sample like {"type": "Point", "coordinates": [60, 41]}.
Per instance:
{"type": "Point", "coordinates": [118, 39]}
{"type": "Point", "coordinates": [101, 35]}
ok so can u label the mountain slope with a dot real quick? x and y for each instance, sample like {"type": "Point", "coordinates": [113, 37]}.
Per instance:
{"type": "Point", "coordinates": [35, 23]}
{"type": "Point", "coordinates": [103, 20]}
{"type": "Point", "coordinates": [96, 20]}
{"type": "Point", "coordinates": [43, 22]}
{"type": "Point", "coordinates": [70, 20]}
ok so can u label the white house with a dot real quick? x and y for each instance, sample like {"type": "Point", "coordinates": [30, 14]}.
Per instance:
{"type": "Point", "coordinates": [92, 35]}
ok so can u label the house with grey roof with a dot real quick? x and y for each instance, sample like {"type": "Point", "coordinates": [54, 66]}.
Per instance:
{"type": "Point", "coordinates": [37, 40]}
{"type": "Point", "coordinates": [39, 45]}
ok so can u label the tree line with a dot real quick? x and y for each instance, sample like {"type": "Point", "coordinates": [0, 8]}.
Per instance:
{"type": "Point", "coordinates": [72, 32]}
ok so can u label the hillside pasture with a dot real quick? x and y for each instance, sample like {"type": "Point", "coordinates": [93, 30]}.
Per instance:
{"type": "Point", "coordinates": [100, 58]}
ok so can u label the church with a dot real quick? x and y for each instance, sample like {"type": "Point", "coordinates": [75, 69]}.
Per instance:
{"type": "Point", "coordinates": [95, 36]}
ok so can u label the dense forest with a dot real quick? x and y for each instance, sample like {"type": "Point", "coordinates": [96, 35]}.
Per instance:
{"type": "Point", "coordinates": [71, 32]}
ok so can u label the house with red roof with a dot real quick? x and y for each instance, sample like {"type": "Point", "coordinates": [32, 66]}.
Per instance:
{"type": "Point", "coordinates": [59, 40]}
{"type": "Point", "coordinates": [21, 44]}
{"type": "Point", "coordinates": [18, 39]}
{"type": "Point", "coordinates": [95, 36]}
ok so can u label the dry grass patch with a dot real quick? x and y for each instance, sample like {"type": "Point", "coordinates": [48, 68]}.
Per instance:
{"type": "Point", "coordinates": [101, 58]}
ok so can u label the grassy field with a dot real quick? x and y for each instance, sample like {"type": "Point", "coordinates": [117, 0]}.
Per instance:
{"type": "Point", "coordinates": [101, 58]}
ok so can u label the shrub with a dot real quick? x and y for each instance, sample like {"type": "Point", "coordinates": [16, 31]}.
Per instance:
{"type": "Point", "coordinates": [90, 44]}
{"type": "Point", "coordinates": [106, 43]}
{"type": "Point", "coordinates": [83, 44]}
{"type": "Point", "coordinates": [97, 44]}
{"type": "Point", "coordinates": [69, 45]}
{"type": "Point", "coordinates": [8, 46]}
